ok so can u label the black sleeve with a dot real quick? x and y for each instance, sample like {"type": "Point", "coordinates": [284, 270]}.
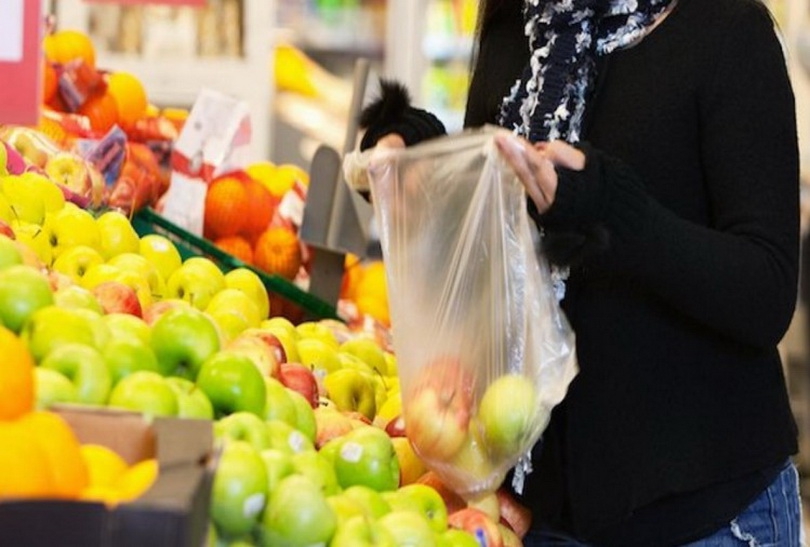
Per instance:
{"type": "Point", "coordinates": [392, 113]}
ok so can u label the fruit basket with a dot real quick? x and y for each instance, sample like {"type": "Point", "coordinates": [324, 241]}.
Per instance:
{"type": "Point", "coordinates": [148, 221]}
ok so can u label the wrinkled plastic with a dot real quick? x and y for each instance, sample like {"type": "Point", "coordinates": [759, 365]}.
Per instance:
{"type": "Point", "coordinates": [483, 350]}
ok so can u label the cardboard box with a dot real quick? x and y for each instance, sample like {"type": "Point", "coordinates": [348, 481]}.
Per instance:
{"type": "Point", "coordinates": [173, 512]}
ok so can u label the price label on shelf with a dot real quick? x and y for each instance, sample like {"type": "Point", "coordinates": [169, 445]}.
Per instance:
{"type": "Point", "coordinates": [189, 3]}
{"type": "Point", "coordinates": [20, 61]}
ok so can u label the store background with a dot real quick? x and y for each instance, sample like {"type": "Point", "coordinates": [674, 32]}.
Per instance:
{"type": "Point", "coordinates": [425, 43]}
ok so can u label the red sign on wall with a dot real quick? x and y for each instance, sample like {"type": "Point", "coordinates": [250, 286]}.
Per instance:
{"type": "Point", "coordinates": [20, 61]}
{"type": "Point", "coordinates": [192, 3]}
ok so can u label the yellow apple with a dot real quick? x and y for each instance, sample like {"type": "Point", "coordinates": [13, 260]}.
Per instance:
{"type": "Point", "coordinates": [117, 235]}
{"type": "Point", "coordinates": [161, 252]}
{"type": "Point", "coordinates": [139, 264]}
{"type": "Point", "coordinates": [229, 322]}
{"type": "Point", "coordinates": [52, 197]}
{"type": "Point", "coordinates": [25, 199]}
{"type": "Point", "coordinates": [76, 261]}
{"type": "Point", "coordinates": [236, 301]}
{"type": "Point", "coordinates": [251, 284]}
{"type": "Point", "coordinates": [139, 284]}
{"type": "Point", "coordinates": [98, 274]}
{"type": "Point", "coordinates": [6, 212]}
{"type": "Point", "coordinates": [319, 331]}
{"type": "Point", "coordinates": [35, 238]}
{"type": "Point", "coordinates": [194, 284]}
{"type": "Point", "coordinates": [71, 226]}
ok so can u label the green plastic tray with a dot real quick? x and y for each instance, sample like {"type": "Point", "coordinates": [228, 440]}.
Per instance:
{"type": "Point", "coordinates": [147, 221]}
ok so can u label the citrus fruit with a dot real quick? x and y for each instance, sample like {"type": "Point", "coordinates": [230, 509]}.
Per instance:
{"type": "Point", "coordinates": [24, 467]}
{"type": "Point", "coordinates": [105, 466]}
{"type": "Point", "coordinates": [237, 246]}
{"type": "Point", "coordinates": [16, 377]}
{"type": "Point", "coordinates": [137, 479]}
{"type": "Point", "coordinates": [261, 207]}
{"type": "Point", "coordinates": [278, 251]}
{"type": "Point", "coordinates": [62, 450]}
{"type": "Point", "coordinates": [375, 307]}
{"type": "Point", "coordinates": [67, 45]}
{"type": "Point", "coordinates": [226, 208]}
{"type": "Point", "coordinates": [129, 95]}
{"type": "Point", "coordinates": [372, 282]}
{"type": "Point", "coordinates": [50, 83]}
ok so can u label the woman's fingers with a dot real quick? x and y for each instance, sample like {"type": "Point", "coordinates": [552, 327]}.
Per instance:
{"type": "Point", "coordinates": [533, 169]}
{"type": "Point", "coordinates": [563, 154]}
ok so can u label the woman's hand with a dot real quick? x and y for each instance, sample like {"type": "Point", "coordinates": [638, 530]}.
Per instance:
{"type": "Point", "coordinates": [535, 165]}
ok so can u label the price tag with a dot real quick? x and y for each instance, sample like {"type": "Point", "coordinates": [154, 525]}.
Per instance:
{"type": "Point", "coordinates": [20, 61]}
{"type": "Point", "coordinates": [189, 3]}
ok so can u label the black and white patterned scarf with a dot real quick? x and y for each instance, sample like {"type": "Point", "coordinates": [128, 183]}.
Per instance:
{"type": "Point", "coordinates": [565, 38]}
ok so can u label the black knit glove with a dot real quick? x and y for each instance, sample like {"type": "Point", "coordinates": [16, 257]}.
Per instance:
{"type": "Point", "coordinates": [392, 113]}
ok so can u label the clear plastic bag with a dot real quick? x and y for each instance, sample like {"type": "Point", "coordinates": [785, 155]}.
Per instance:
{"type": "Point", "coordinates": [483, 350]}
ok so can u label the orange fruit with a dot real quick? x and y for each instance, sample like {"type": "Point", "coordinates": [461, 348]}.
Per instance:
{"type": "Point", "coordinates": [105, 466]}
{"type": "Point", "coordinates": [278, 251]}
{"type": "Point", "coordinates": [50, 83]}
{"type": "Point", "coordinates": [137, 479]}
{"type": "Point", "coordinates": [237, 246]}
{"type": "Point", "coordinates": [24, 467]}
{"type": "Point", "coordinates": [129, 95]}
{"type": "Point", "coordinates": [101, 110]}
{"type": "Point", "coordinates": [352, 272]}
{"type": "Point", "coordinates": [16, 377]}
{"type": "Point", "coordinates": [67, 45]}
{"type": "Point", "coordinates": [261, 208]}
{"type": "Point", "coordinates": [226, 208]}
{"type": "Point", "coordinates": [62, 449]}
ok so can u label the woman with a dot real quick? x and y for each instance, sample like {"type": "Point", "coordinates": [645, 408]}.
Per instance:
{"type": "Point", "coordinates": [658, 147]}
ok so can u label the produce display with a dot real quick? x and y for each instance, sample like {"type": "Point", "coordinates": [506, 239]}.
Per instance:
{"type": "Point", "coordinates": [310, 440]}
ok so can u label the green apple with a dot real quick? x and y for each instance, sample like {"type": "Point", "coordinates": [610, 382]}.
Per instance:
{"type": "Point", "coordinates": [51, 387]}
{"type": "Point", "coordinates": [408, 528]}
{"type": "Point", "coordinates": [297, 515]}
{"type": "Point", "coordinates": [278, 464]}
{"type": "Point", "coordinates": [9, 253]}
{"type": "Point", "coordinates": [70, 227]}
{"type": "Point", "coordinates": [146, 392]}
{"type": "Point", "coordinates": [366, 456]}
{"type": "Point", "coordinates": [36, 238]}
{"type": "Point", "coordinates": [369, 352]}
{"type": "Point", "coordinates": [318, 355]}
{"type": "Point", "coordinates": [191, 401]}
{"type": "Point", "coordinates": [247, 281]}
{"type": "Point", "coordinates": [344, 508]}
{"type": "Point", "coordinates": [373, 503]}
{"type": "Point", "coordinates": [304, 415]}
{"type": "Point", "coordinates": [52, 197]}
{"type": "Point", "coordinates": [194, 285]}
{"type": "Point", "coordinates": [125, 325]}
{"type": "Point", "coordinates": [352, 391]}
{"type": "Point", "coordinates": [75, 261]}
{"type": "Point", "coordinates": [421, 499]}
{"type": "Point", "coordinates": [507, 414]}
{"type": "Point", "coordinates": [243, 426]}
{"type": "Point", "coordinates": [23, 291]}
{"type": "Point", "coordinates": [76, 297]}
{"type": "Point", "coordinates": [135, 263]}
{"type": "Point", "coordinates": [51, 327]}
{"type": "Point", "coordinates": [286, 438]}
{"type": "Point", "coordinates": [25, 199]}
{"type": "Point", "coordinates": [359, 531]}
{"type": "Point", "coordinates": [317, 469]}
{"type": "Point", "coordinates": [117, 235]}
{"type": "Point", "coordinates": [239, 491]}
{"type": "Point", "coordinates": [182, 339]}
{"type": "Point", "coordinates": [161, 252]}
{"type": "Point", "coordinates": [235, 300]}
{"type": "Point", "coordinates": [279, 403]}
{"type": "Point", "coordinates": [84, 366]}
{"type": "Point", "coordinates": [232, 383]}
{"type": "Point", "coordinates": [127, 355]}
{"type": "Point", "coordinates": [101, 334]}
{"type": "Point", "coordinates": [458, 538]}
{"type": "Point", "coordinates": [318, 331]}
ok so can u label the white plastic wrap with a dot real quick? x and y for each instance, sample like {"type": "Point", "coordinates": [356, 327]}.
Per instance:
{"type": "Point", "coordinates": [484, 351]}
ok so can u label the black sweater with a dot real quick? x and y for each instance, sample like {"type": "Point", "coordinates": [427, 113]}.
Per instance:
{"type": "Point", "coordinates": [679, 415]}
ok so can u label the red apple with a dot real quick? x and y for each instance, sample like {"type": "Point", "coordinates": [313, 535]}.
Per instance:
{"type": "Point", "coordinates": [477, 523]}
{"type": "Point", "coordinates": [6, 230]}
{"type": "Point", "coordinates": [270, 339]}
{"type": "Point", "coordinates": [438, 407]}
{"type": "Point", "coordinates": [516, 515]}
{"type": "Point", "coordinates": [153, 312]}
{"type": "Point", "coordinates": [117, 297]}
{"type": "Point", "coordinates": [59, 280]}
{"type": "Point", "coordinates": [330, 423]}
{"type": "Point", "coordinates": [255, 349]}
{"type": "Point", "coordinates": [396, 427]}
{"type": "Point", "coordinates": [300, 378]}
